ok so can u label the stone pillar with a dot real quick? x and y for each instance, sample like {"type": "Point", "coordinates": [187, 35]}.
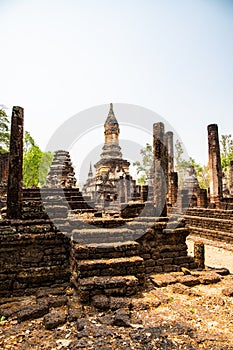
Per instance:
{"type": "Point", "coordinates": [4, 167]}
{"type": "Point", "coordinates": [160, 169]}
{"type": "Point", "coordinates": [231, 178]}
{"type": "Point", "coordinates": [199, 254]}
{"type": "Point", "coordinates": [214, 165]}
{"type": "Point", "coordinates": [173, 190]}
{"type": "Point", "coordinates": [15, 178]}
{"type": "Point", "coordinates": [170, 159]}
{"type": "Point", "coordinates": [202, 200]}
{"type": "Point", "coordinates": [170, 150]}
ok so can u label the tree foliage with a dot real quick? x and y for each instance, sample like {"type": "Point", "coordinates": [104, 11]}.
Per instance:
{"type": "Point", "coordinates": [36, 163]}
{"type": "Point", "coordinates": [181, 163]}
{"type": "Point", "coordinates": [226, 147]}
{"type": "Point", "coordinates": [202, 172]}
{"type": "Point", "coordinates": [4, 131]}
{"type": "Point", "coordinates": [143, 168]}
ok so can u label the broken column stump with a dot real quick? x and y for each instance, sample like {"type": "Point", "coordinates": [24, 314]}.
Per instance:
{"type": "Point", "coordinates": [15, 177]}
{"type": "Point", "coordinates": [199, 254]}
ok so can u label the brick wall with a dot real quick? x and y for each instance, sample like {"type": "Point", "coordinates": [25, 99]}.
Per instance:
{"type": "Point", "coordinates": [164, 248]}
{"type": "Point", "coordinates": [214, 224]}
{"type": "Point", "coordinates": [32, 254]}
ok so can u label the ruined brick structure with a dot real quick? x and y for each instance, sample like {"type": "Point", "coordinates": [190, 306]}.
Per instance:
{"type": "Point", "coordinates": [61, 172]}
{"type": "Point", "coordinates": [112, 184]}
{"type": "Point", "coordinates": [4, 167]}
{"type": "Point", "coordinates": [211, 224]}
{"type": "Point", "coordinates": [4, 171]}
{"type": "Point", "coordinates": [43, 246]}
{"type": "Point", "coordinates": [33, 255]}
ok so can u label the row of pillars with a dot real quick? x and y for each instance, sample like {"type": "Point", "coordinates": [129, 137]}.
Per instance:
{"type": "Point", "coordinates": [166, 180]}
{"type": "Point", "coordinates": [216, 174]}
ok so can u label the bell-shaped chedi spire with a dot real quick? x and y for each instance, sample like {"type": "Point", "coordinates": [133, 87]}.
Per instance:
{"type": "Point", "coordinates": [111, 147]}
{"type": "Point", "coordinates": [111, 122]}
{"type": "Point", "coordinates": [90, 174]}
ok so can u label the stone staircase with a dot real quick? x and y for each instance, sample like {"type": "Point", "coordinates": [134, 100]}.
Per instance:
{"type": "Point", "coordinates": [103, 235]}
{"type": "Point", "coordinates": [110, 269]}
{"type": "Point", "coordinates": [39, 203]}
{"type": "Point", "coordinates": [129, 231]}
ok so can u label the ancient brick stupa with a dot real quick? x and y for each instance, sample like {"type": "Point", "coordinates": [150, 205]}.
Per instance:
{"type": "Point", "coordinates": [61, 172]}
{"type": "Point", "coordinates": [112, 183]}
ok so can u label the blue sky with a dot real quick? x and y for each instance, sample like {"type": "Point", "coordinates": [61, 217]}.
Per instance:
{"type": "Point", "coordinates": [174, 57]}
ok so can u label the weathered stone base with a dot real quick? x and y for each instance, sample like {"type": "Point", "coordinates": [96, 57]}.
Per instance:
{"type": "Point", "coordinates": [32, 254]}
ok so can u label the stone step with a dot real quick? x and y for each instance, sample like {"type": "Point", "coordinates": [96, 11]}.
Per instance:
{"type": "Point", "coordinates": [97, 235]}
{"type": "Point", "coordinates": [106, 250]}
{"type": "Point", "coordinates": [118, 286]}
{"type": "Point", "coordinates": [110, 267]}
{"type": "Point", "coordinates": [218, 236]}
{"type": "Point", "coordinates": [145, 224]}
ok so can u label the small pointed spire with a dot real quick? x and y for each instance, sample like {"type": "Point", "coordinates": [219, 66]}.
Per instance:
{"type": "Point", "coordinates": [90, 174]}
{"type": "Point", "coordinates": [111, 119]}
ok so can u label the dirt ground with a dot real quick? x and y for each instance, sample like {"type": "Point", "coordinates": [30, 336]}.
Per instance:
{"type": "Point", "coordinates": [171, 317]}
{"type": "Point", "coordinates": [218, 255]}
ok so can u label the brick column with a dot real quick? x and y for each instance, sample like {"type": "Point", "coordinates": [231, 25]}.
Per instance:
{"type": "Point", "coordinates": [199, 254]}
{"type": "Point", "coordinates": [170, 150]}
{"type": "Point", "coordinates": [4, 166]}
{"type": "Point", "coordinates": [173, 188]}
{"type": "Point", "coordinates": [15, 177]}
{"type": "Point", "coordinates": [170, 160]}
{"type": "Point", "coordinates": [231, 178]}
{"type": "Point", "coordinates": [214, 165]}
{"type": "Point", "coordinates": [160, 169]}
{"type": "Point", "coordinates": [202, 200]}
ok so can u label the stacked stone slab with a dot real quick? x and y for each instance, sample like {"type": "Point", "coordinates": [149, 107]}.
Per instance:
{"type": "Point", "coordinates": [113, 261]}
{"type": "Point", "coordinates": [110, 269]}
{"type": "Point", "coordinates": [33, 255]}
{"type": "Point", "coordinates": [61, 172]}
{"type": "Point", "coordinates": [38, 201]}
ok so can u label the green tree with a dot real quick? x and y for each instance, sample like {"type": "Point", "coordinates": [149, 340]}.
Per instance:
{"type": "Point", "coordinates": [143, 168]}
{"type": "Point", "coordinates": [181, 163]}
{"type": "Point", "coordinates": [36, 163]}
{"type": "Point", "coordinates": [226, 149]}
{"type": "Point", "coordinates": [202, 173]}
{"type": "Point", "coordinates": [4, 131]}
